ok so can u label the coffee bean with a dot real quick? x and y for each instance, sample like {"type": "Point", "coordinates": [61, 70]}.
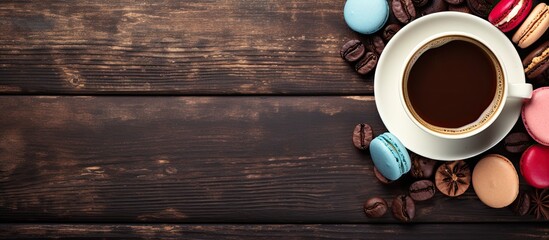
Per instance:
{"type": "Point", "coordinates": [521, 205]}
{"type": "Point", "coordinates": [375, 44]}
{"type": "Point", "coordinates": [433, 7]}
{"type": "Point", "coordinates": [390, 31]}
{"type": "Point", "coordinates": [352, 50]}
{"type": "Point", "coordinates": [403, 208]}
{"type": "Point", "coordinates": [403, 10]}
{"type": "Point", "coordinates": [480, 8]}
{"type": "Point", "coordinates": [420, 3]}
{"type": "Point", "coordinates": [517, 142]}
{"type": "Point", "coordinates": [367, 63]}
{"type": "Point", "coordinates": [460, 8]}
{"type": "Point", "coordinates": [422, 190]}
{"type": "Point", "coordinates": [454, 2]}
{"type": "Point", "coordinates": [422, 167]}
{"type": "Point", "coordinates": [380, 177]}
{"type": "Point", "coordinates": [362, 136]}
{"type": "Point", "coordinates": [375, 207]}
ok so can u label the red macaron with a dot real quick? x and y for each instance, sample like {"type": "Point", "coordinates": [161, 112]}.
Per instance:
{"type": "Point", "coordinates": [508, 14]}
{"type": "Point", "coordinates": [534, 166]}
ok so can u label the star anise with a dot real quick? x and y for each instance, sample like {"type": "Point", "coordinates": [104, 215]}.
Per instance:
{"type": "Point", "coordinates": [453, 178]}
{"type": "Point", "coordinates": [540, 203]}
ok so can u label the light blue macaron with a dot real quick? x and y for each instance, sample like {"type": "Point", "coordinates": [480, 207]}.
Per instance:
{"type": "Point", "coordinates": [366, 16]}
{"type": "Point", "coordinates": [389, 155]}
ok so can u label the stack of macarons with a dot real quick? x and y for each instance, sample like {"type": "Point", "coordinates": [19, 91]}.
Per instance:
{"type": "Point", "coordinates": [509, 14]}
{"type": "Point", "coordinates": [531, 23]}
{"type": "Point", "coordinates": [534, 163]}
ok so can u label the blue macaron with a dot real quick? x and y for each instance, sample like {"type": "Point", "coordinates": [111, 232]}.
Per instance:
{"type": "Point", "coordinates": [366, 16]}
{"type": "Point", "coordinates": [389, 155]}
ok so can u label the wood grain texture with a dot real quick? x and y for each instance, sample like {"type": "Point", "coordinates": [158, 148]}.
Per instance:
{"type": "Point", "coordinates": [199, 159]}
{"type": "Point", "coordinates": [176, 47]}
{"type": "Point", "coordinates": [289, 231]}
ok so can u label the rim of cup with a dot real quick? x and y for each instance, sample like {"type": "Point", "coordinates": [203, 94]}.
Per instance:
{"type": "Point", "coordinates": [478, 129]}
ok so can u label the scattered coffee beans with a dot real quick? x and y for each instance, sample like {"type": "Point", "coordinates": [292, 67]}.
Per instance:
{"type": "Point", "coordinates": [420, 3]}
{"type": "Point", "coordinates": [480, 8]}
{"type": "Point", "coordinates": [375, 44]}
{"type": "Point", "coordinates": [352, 50]}
{"type": "Point", "coordinates": [422, 190]}
{"type": "Point", "coordinates": [521, 205]}
{"type": "Point", "coordinates": [380, 177]}
{"type": "Point", "coordinates": [460, 8]}
{"type": "Point", "coordinates": [403, 10]}
{"type": "Point", "coordinates": [422, 167]}
{"type": "Point", "coordinates": [375, 207]}
{"type": "Point", "coordinates": [433, 7]}
{"type": "Point", "coordinates": [517, 142]}
{"type": "Point", "coordinates": [367, 63]}
{"type": "Point", "coordinates": [390, 31]}
{"type": "Point", "coordinates": [362, 136]}
{"type": "Point", "coordinates": [454, 2]}
{"type": "Point", "coordinates": [403, 208]}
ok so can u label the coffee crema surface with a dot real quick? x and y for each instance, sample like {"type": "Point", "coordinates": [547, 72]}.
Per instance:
{"type": "Point", "coordinates": [453, 85]}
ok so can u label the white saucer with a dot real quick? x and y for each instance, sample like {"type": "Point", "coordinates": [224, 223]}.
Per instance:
{"type": "Point", "coordinates": [389, 72]}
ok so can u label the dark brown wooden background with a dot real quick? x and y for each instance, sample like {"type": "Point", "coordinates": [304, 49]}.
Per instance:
{"type": "Point", "coordinates": [197, 119]}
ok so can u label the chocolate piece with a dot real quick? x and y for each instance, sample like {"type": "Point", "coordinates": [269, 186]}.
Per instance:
{"type": "Point", "coordinates": [422, 190]}
{"type": "Point", "coordinates": [453, 178]}
{"type": "Point", "coordinates": [390, 31]}
{"type": "Point", "coordinates": [480, 8]}
{"type": "Point", "coordinates": [433, 7]}
{"type": "Point", "coordinates": [517, 142]}
{"type": "Point", "coordinates": [352, 50]}
{"type": "Point", "coordinates": [540, 203]}
{"type": "Point", "coordinates": [380, 177]}
{"type": "Point", "coordinates": [375, 207]}
{"type": "Point", "coordinates": [422, 167]}
{"type": "Point", "coordinates": [403, 208]}
{"type": "Point", "coordinates": [403, 10]}
{"type": "Point", "coordinates": [521, 205]}
{"type": "Point", "coordinates": [367, 63]}
{"type": "Point", "coordinates": [362, 136]}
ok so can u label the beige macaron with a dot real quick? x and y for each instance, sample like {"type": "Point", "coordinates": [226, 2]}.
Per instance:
{"type": "Point", "coordinates": [496, 181]}
{"type": "Point", "coordinates": [533, 27]}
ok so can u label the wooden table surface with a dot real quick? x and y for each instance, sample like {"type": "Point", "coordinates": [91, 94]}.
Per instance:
{"type": "Point", "coordinates": [205, 119]}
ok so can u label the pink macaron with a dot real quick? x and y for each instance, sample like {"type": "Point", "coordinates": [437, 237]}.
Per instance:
{"type": "Point", "coordinates": [508, 14]}
{"type": "Point", "coordinates": [535, 115]}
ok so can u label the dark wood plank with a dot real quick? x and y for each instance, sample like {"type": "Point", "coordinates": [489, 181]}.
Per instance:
{"type": "Point", "coordinates": [214, 231]}
{"type": "Point", "coordinates": [198, 159]}
{"type": "Point", "coordinates": [176, 47]}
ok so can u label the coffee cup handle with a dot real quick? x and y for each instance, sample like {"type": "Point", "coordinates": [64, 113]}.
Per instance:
{"type": "Point", "coordinates": [520, 90]}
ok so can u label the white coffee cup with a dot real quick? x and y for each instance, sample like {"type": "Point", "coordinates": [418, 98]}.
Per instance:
{"type": "Point", "coordinates": [504, 90]}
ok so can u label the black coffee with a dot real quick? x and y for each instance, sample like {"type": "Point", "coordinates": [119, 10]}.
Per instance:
{"type": "Point", "coordinates": [452, 85]}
